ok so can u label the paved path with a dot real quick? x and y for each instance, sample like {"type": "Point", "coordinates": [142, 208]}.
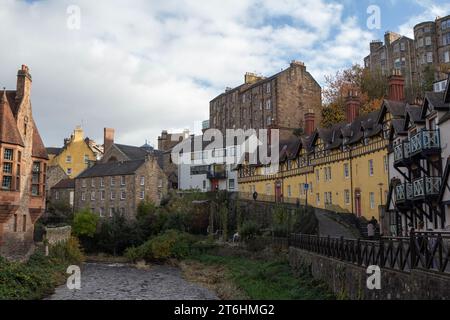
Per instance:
{"type": "Point", "coordinates": [332, 228]}
{"type": "Point", "coordinates": [123, 282]}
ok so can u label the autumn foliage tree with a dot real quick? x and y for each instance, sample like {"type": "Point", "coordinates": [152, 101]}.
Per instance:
{"type": "Point", "coordinates": [371, 87]}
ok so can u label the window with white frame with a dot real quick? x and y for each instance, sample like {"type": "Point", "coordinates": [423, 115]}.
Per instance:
{"type": "Point", "coordinates": [429, 57]}
{"type": "Point", "coordinates": [111, 212]}
{"type": "Point", "coordinates": [346, 170]}
{"type": "Point", "coordinates": [92, 182]}
{"type": "Point", "coordinates": [142, 181]}
{"type": "Point", "coordinates": [113, 181]}
{"type": "Point", "coordinates": [122, 180]}
{"type": "Point", "coordinates": [428, 41]}
{"type": "Point", "coordinates": [93, 196]}
{"type": "Point", "coordinates": [371, 168]}
{"type": "Point", "coordinates": [83, 196]}
{"type": "Point", "coordinates": [102, 212]}
{"type": "Point", "coordinates": [142, 195]}
{"type": "Point", "coordinates": [289, 191]}
{"type": "Point", "coordinates": [123, 195]}
{"type": "Point", "coordinates": [102, 182]}
{"type": "Point", "coordinates": [447, 56]}
{"type": "Point", "coordinates": [268, 104]}
{"type": "Point", "coordinates": [102, 195]}
{"type": "Point", "coordinates": [57, 195]}
{"type": "Point", "coordinates": [347, 197]}
{"type": "Point", "coordinates": [318, 198]}
{"type": "Point", "coordinates": [372, 200]}
{"type": "Point", "coordinates": [113, 195]}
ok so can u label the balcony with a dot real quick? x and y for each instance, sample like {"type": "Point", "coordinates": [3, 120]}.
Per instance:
{"type": "Point", "coordinates": [425, 142]}
{"type": "Point", "coordinates": [402, 153]}
{"type": "Point", "coordinates": [404, 193]}
{"type": "Point", "coordinates": [217, 172]}
{"type": "Point", "coordinates": [427, 188]}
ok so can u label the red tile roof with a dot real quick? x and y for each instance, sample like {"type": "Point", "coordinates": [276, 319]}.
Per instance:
{"type": "Point", "coordinates": [8, 126]}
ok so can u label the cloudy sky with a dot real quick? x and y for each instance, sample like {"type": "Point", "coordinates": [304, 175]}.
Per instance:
{"type": "Point", "coordinates": [142, 66]}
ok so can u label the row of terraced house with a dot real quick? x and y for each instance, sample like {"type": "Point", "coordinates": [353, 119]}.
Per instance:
{"type": "Point", "coordinates": [391, 164]}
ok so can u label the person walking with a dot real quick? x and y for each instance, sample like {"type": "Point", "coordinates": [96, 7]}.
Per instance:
{"type": "Point", "coordinates": [370, 231]}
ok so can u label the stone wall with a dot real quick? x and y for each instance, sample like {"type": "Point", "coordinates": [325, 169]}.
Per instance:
{"type": "Point", "coordinates": [349, 281]}
{"type": "Point", "coordinates": [57, 235]}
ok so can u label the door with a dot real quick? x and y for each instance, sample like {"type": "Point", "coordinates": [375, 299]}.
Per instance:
{"type": "Point", "coordinates": [278, 192]}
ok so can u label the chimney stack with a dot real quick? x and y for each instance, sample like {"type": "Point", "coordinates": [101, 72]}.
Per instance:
{"type": "Point", "coordinates": [108, 139]}
{"type": "Point", "coordinates": [397, 86]}
{"type": "Point", "coordinates": [352, 105]}
{"type": "Point", "coordinates": [310, 125]}
{"type": "Point", "coordinates": [23, 83]}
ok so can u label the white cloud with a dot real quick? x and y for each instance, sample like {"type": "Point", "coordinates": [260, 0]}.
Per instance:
{"type": "Point", "coordinates": [157, 64]}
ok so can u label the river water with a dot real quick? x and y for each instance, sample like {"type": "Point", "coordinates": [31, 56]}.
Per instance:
{"type": "Point", "coordinates": [124, 282]}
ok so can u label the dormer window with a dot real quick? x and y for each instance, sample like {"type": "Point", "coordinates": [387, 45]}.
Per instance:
{"type": "Point", "coordinates": [25, 126]}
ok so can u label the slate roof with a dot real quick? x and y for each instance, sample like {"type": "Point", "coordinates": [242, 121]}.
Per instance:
{"type": "Point", "coordinates": [436, 99]}
{"type": "Point", "coordinates": [132, 152]}
{"type": "Point", "coordinates": [65, 184]}
{"type": "Point", "coordinates": [55, 151]}
{"type": "Point", "coordinates": [112, 169]}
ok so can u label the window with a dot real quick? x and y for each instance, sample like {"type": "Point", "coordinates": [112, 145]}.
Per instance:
{"type": "Point", "coordinates": [36, 179]}
{"type": "Point", "coordinates": [397, 63]}
{"type": "Point", "coordinates": [7, 168]}
{"type": "Point", "coordinates": [68, 159]}
{"type": "Point", "coordinates": [428, 41]}
{"type": "Point", "coordinates": [24, 223]}
{"type": "Point", "coordinates": [289, 192]}
{"type": "Point", "coordinates": [102, 195]}
{"type": "Point", "coordinates": [123, 195]}
{"type": "Point", "coordinates": [83, 196]}
{"type": "Point", "coordinates": [429, 57]}
{"type": "Point", "coordinates": [57, 195]}
{"type": "Point", "coordinates": [396, 47]}
{"type": "Point", "coordinates": [92, 182]}
{"type": "Point", "coordinates": [102, 212]}
{"type": "Point", "coordinates": [269, 120]}
{"type": "Point", "coordinates": [268, 88]}
{"type": "Point", "coordinates": [92, 195]}
{"type": "Point", "coordinates": [69, 171]}
{"type": "Point", "coordinates": [6, 183]}
{"type": "Point", "coordinates": [268, 104]}
{"type": "Point", "coordinates": [8, 155]}
{"type": "Point", "coordinates": [372, 200]}
{"type": "Point", "coordinates": [402, 46]}
{"type": "Point", "coordinates": [420, 43]}
{"type": "Point", "coordinates": [268, 189]}
{"type": "Point", "coordinates": [318, 198]}
{"type": "Point", "coordinates": [113, 195]}
{"type": "Point", "coordinates": [346, 170]}
{"type": "Point", "coordinates": [160, 183]}
{"type": "Point", "coordinates": [83, 183]}
{"type": "Point", "coordinates": [142, 181]}
{"type": "Point", "coordinates": [371, 169]}
{"type": "Point", "coordinates": [102, 182]}
{"type": "Point", "coordinates": [317, 175]}
{"type": "Point", "coordinates": [347, 197]}
{"type": "Point", "coordinates": [447, 56]}
{"type": "Point", "coordinates": [386, 163]}
{"type": "Point", "coordinates": [15, 223]}
{"type": "Point", "coordinates": [204, 184]}
{"type": "Point", "coordinates": [231, 184]}
{"type": "Point", "coordinates": [446, 39]}
{"type": "Point", "coordinates": [122, 180]}
{"type": "Point", "coordinates": [113, 181]}
{"type": "Point", "coordinates": [111, 212]}
{"type": "Point", "coordinates": [142, 195]}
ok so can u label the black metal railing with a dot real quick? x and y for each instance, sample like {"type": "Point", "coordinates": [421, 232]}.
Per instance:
{"type": "Point", "coordinates": [422, 250]}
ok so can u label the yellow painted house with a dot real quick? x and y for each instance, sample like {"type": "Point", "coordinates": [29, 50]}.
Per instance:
{"type": "Point", "coordinates": [344, 168]}
{"type": "Point", "coordinates": [76, 154]}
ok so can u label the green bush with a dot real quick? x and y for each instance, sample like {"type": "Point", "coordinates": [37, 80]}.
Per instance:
{"type": "Point", "coordinates": [249, 230]}
{"type": "Point", "coordinates": [85, 223]}
{"type": "Point", "coordinates": [170, 244]}
{"type": "Point", "coordinates": [39, 276]}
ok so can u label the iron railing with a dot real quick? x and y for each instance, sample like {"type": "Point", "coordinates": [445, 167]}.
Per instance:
{"type": "Point", "coordinates": [425, 140]}
{"type": "Point", "coordinates": [424, 250]}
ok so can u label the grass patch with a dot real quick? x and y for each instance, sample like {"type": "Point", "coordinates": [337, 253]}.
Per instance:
{"type": "Point", "coordinates": [273, 280]}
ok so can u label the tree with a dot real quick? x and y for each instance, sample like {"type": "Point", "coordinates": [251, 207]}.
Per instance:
{"type": "Point", "coordinates": [427, 79]}
{"type": "Point", "coordinates": [371, 88]}
{"type": "Point", "coordinates": [85, 224]}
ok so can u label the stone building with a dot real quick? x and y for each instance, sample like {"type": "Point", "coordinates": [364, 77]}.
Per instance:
{"type": "Point", "coordinates": [124, 177]}
{"type": "Point", "coordinates": [23, 162]}
{"type": "Point", "coordinates": [166, 143]}
{"type": "Point", "coordinates": [396, 53]}
{"type": "Point", "coordinates": [63, 193]}
{"type": "Point", "coordinates": [432, 40]}
{"type": "Point", "coordinates": [279, 102]}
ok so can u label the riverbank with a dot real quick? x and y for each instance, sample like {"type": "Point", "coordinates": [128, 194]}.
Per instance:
{"type": "Point", "coordinates": [38, 277]}
{"type": "Point", "coordinates": [240, 275]}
